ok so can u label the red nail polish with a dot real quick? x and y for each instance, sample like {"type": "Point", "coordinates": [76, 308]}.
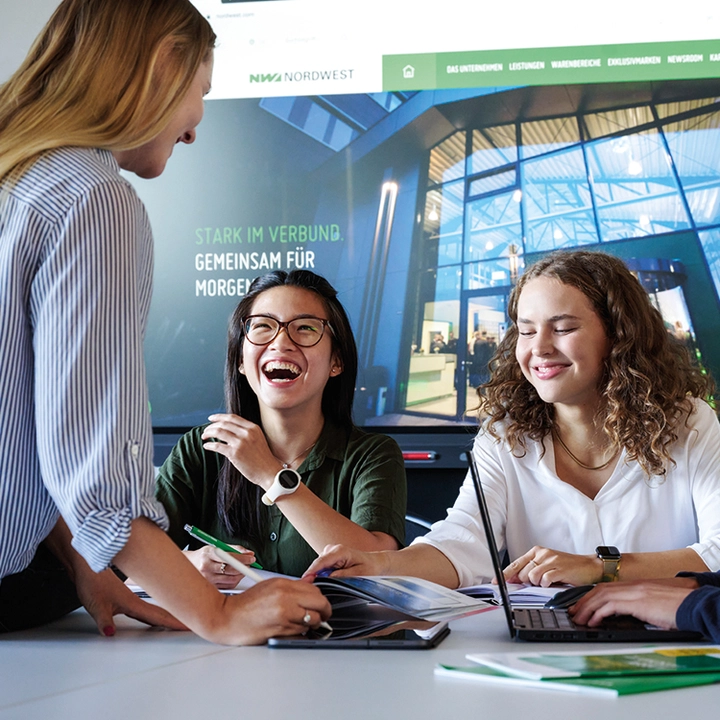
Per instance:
{"type": "Point", "coordinates": [109, 631]}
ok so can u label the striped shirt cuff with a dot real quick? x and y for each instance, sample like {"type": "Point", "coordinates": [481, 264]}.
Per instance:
{"type": "Point", "coordinates": [104, 533]}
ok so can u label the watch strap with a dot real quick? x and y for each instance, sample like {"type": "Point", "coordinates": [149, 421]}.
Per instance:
{"type": "Point", "coordinates": [611, 569]}
{"type": "Point", "coordinates": [610, 558]}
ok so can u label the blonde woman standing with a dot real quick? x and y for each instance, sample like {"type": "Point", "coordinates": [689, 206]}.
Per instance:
{"type": "Point", "coordinates": [108, 85]}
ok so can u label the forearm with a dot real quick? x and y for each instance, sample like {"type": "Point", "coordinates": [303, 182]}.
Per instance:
{"type": "Point", "coordinates": [652, 565]}
{"type": "Point", "coordinates": [545, 566]}
{"type": "Point", "coordinates": [159, 566]}
{"type": "Point", "coordinates": [320, 525]}
{"type": "Point", "coordinates": [423, 561]}
{"type": "Point", "coordinates": [274, 607]}
{"type": "Point", "coordinates": [419, 560]}
{"type": "Point", "coordinates": [644, 566]}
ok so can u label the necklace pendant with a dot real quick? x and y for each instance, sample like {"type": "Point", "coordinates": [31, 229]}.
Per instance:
{"type": "Point", "coordinates": [288, 465]}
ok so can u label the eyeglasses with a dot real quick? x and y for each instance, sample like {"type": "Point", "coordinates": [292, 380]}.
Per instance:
{"type": "Point", "coordinates": [305, 331]}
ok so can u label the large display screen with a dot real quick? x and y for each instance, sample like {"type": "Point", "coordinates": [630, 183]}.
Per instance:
{"type": "Point", "coordinates": [420, 163]}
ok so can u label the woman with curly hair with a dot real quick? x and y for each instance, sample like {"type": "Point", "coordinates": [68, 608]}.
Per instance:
{"type": "Point", "coordinates": [598, 452]}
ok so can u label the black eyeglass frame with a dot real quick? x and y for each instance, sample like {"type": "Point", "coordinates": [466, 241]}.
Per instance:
{"type": "Point", "coordinates": [286, 325]}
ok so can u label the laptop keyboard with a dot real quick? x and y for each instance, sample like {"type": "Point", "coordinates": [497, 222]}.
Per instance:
{"type": "Point", "coordinates": [549, 619]}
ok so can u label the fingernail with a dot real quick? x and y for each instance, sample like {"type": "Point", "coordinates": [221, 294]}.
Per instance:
{"type": "Point", "coordinates": [108, 631]}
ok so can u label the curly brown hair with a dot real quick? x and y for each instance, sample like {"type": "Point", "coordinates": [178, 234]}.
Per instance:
{"type": "Point", "coordinates": [649, 378]}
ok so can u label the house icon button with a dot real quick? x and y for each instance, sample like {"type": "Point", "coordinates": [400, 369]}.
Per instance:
{"type": "Point", "coordinates": [408, 72]}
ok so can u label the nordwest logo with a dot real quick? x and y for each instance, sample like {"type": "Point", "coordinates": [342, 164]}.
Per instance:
{"type": "Point", "coordinates": [265, 77]}
{"type": "Point", "coordinates": [303, 76]}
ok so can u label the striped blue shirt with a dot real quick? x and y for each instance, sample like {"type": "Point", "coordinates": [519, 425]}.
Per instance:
{"type": "Point", "coordinates": [75, 285]}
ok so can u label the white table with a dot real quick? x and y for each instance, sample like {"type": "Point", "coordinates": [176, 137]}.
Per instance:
{"type": "Point", "coordinates": [67, 671]}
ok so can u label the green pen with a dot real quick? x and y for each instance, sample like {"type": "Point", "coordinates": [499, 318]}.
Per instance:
{"type": "Point", "coordinates": [210, 540]}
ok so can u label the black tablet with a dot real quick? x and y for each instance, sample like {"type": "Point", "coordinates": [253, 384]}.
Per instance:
{"type": "Point", "coordinates": [411, 635]}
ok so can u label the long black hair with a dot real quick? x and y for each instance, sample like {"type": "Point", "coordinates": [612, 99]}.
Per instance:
{"type": "Point", "coordinates": [238, 499]}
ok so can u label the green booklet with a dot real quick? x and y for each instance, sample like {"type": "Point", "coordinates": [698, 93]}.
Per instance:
{"type": "Point", "coordinates": [607, 686]}
{"type": "Point", "coordinates": [654, 660]}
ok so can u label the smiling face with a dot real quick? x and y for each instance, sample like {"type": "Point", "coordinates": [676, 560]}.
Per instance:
{"type": "Point", "coordinates": [562, 343]}
{"type": "Point", "coordinates": [283, 375]}
{"type": "Point", "coordinates": [149, 160]}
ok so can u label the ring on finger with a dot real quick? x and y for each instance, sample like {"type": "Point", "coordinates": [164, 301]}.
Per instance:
{"type": "Point", "coordinates": [222, 568]}
{"type": "Point", "coordinates": [533, 563]}
{"type": "Point", "coordinates": [306, 618]}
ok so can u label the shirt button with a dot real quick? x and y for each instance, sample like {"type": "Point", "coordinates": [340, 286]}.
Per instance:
{"type": "Point", "coordinates": [134, 450]}
{"type": "Point", "coordinates": [273, 536]}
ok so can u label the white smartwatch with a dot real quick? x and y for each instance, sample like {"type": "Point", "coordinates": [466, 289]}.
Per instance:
{"type": "Point", "coordinates": [286, 482]}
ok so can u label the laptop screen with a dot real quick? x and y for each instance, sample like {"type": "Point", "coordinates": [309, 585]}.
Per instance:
{"type": "Point", "coordinates": [492, 545]}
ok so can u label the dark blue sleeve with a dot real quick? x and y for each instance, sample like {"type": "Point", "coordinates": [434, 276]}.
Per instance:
{"type": "Point", "coordinates": [700, 611]}
{"type": "Point", "coordinates": [703, 578]}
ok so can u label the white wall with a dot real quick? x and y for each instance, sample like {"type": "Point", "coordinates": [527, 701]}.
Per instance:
{"type": "Point", "coordinates": [20, 23]}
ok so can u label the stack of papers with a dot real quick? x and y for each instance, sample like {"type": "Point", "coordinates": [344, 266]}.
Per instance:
{"type": "Point", "coordinates": [520, 594]}
{"type": "Point", "coordinates": [605, 672]}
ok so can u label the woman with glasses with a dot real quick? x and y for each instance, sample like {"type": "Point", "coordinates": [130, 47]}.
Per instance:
{"type": "Point", "coordinates": [284, 472]}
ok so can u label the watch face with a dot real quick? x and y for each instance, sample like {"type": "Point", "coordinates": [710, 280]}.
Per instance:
{"type": "Point", "coordinates": [608, 551]}
{"type": "Point", "coordinates": [288, 479]}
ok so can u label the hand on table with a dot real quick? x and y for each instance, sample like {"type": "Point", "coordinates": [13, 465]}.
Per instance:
{"type": "Point", "coordinates": [274, 608]}
{"type": "Point", "coordinates": [104, 595]}
{"type": "Point", "coordinates": [212, 568]}
{"type": "Point", "coordinates": [653, 601]}
{"type": "Point", "coordinates": [544, 567]}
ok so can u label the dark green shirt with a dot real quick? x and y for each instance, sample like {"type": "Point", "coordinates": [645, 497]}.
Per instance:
{"type": "Point", "coordinates": [361, 475]}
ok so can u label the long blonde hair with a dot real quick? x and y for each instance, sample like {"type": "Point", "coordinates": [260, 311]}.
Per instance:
{"type": "Point", "coordinates": [102, 73]}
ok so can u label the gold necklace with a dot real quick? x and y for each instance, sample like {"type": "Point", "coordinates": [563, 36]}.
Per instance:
{"type": "Point", "coordinates": [556, 434]}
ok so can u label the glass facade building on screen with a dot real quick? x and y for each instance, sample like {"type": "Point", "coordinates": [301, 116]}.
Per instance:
{"type": "Point", "coordinates": [422, 208]}
{"type": "Point", "coordinates": [639, 180]}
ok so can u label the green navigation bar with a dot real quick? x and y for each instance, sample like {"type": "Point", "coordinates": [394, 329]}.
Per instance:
{"type": "Point", "coordinates": [553, 66]}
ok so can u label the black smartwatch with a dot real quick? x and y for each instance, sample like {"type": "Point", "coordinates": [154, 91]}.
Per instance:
{"type": "Point", "coordinates": [610, 557]}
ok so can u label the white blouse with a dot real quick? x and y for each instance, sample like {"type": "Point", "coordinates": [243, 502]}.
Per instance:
{"type": "Point", "coordinates": [530, 505]}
